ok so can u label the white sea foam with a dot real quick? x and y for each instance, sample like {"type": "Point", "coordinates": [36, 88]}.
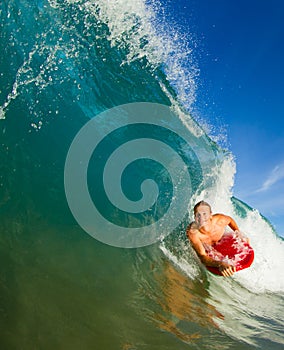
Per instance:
{"type": "Point", "coordinates": [145, 33]}
{"type": "Point", "coordinates": [190, 269]}
{"type": "Point", "coordinates": [135, 26]}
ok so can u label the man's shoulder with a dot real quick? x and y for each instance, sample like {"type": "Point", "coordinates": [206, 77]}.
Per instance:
{"type": "Point", "coordinates": [220, 218]}
{"type": "Point", "coordinates": [192, 229]}
{"type": "Point", "coordinates": [193, 225]}
{"type": "Point", "coordinates": [219, 215]}
{"type": "Point", "coordinates": [192, 232]}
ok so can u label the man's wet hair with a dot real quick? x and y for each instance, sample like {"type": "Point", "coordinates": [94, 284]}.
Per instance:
{"type": "Point", "coordinates": [199, 204]}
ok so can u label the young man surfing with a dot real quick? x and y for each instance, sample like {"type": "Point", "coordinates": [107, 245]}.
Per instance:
{"type": "Point", "coordinates": [208, 229]}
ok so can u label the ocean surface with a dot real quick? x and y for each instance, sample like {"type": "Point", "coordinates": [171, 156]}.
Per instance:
{"type": "Point", "coordinates": [63, 63]}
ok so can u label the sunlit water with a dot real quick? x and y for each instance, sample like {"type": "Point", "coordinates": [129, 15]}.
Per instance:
{"type": "Point", "coordinates": [62, 63]}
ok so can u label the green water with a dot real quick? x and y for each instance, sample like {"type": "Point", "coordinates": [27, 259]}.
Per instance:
{"type": "Point", "coordinates": [62, 64]}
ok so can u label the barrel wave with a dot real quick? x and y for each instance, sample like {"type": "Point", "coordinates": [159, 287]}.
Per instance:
{"type": "Point", "coordinates": [101, 165]}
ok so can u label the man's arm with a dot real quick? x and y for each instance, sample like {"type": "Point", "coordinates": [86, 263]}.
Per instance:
{"type": "Point", "coordinates": [193, 235]}
{"type": "Point", "coordinates": [234, 226]}
{"type": "Point", "coordinates": [225, 220]}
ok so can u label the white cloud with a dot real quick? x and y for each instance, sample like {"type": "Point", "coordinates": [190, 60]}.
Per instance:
{"type": "Point", "coordinates": [276, 175]}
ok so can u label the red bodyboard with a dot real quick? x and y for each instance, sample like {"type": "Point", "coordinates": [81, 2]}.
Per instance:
{"type": "Point", "coordinates": [232, 250]}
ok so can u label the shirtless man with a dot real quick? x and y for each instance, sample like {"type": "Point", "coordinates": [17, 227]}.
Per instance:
{"type": "Point", "coordinates": [208, 229]}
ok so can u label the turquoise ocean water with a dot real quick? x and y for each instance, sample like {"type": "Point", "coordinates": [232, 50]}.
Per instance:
{"type": "Point", "coordinates": [62, 63]}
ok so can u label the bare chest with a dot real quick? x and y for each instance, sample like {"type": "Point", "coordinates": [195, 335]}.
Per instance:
{"type": "Point", "coordinates": [212, 236]}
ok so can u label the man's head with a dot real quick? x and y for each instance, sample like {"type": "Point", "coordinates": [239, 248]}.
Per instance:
{"type": "Point", "coordinates": [202, 212]}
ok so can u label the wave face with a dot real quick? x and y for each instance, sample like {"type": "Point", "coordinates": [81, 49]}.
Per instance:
{"type": "Point", "coordinates": [63, 64]}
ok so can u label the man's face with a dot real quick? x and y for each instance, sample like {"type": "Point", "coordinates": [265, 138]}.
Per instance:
{"type": "Point", "coordinates": [202, 215]}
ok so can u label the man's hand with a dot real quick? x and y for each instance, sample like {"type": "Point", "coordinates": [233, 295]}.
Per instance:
{"type": "Point", "coordinates": [226, 269]}
{"type": "Point", "coordinates": [242, 236]}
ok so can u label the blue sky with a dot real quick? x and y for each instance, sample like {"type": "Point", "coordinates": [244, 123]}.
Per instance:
{"type": "Point", "coordinates": [240, 54]}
